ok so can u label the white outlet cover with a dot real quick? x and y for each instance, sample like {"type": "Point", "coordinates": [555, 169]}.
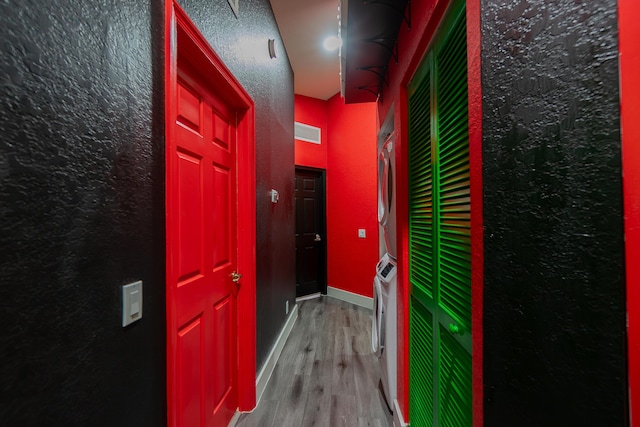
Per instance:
{"type": "Point", "coordinates": [131, 303]}
{"type": "Point", "coordinates": [275, 196]}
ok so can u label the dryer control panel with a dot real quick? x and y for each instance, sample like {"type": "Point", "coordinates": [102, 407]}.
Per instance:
{"type": "Point", "coordinates": [386, 268]}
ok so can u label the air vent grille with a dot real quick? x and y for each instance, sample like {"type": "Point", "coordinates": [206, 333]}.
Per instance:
{"type": "Point", "coordinates": [307, 133]}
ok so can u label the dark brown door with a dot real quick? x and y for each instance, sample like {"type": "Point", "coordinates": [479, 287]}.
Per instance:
{"type": "Point", "coordinates": [310, 233]}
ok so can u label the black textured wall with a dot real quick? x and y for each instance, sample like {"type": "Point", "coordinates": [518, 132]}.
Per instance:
{"type": "Point", "coordinates": [81, 213]}
{"type": "Point", "coordinates": [82, 200]}
{"type": "Point", "coordinates": [242, 44]}
{"type": "Point", "coordinates": [554, 308]}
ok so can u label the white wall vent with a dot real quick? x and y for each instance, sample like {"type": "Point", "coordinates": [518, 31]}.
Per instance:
{"type": "Point", "coordinates": [307, 133]}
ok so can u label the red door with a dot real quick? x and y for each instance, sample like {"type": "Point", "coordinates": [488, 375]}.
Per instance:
{"type": "Point", "coordinates": [202, 254]}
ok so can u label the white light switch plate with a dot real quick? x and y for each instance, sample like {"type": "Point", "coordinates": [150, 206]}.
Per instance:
{"type": "Point", "coordinates": [362, 233]}
{"type": "Point", "coordinates": [131, 303]}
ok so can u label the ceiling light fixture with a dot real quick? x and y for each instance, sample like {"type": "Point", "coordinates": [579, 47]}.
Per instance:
{"type": "Point", "coordinates": [332, 43]}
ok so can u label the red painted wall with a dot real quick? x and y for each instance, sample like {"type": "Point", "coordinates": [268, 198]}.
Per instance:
{"type": "Point", "coordinates": [312, 112]}
{"type": "Point", "coordinates": [629, 45]}
{"type": "Point", "coordinates": [351, 195]}
{"type": "Point", "coordinates": [348, 153]}
{"type": "Point", "coordinates": [411, 48]}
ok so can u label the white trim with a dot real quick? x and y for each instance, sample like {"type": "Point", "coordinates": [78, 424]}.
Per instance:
{"type": "Point", "coordinates": [267, 369]}
{"type": "Point", "coordinates": [234, 419]}
{"type": "Point", "coordinates": [347, 296]}
{"type": "Point", "coordinates": [310, 296]}
{"type": "Point", "coordinates": [398, 419]}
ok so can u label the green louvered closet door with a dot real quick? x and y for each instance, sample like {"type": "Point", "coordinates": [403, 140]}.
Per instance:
{"type": "Point", "coordinates": [440, 233]}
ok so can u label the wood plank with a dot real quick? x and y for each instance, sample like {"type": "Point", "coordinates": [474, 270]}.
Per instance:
{"type": "Point", "coordinates": [316, 411]}
{"type": "Point", "coordinates": [370, 422]}
{"type": "Point", "coordinates": [262, 416]}
{"type": "Point", "coordinates": [343, 411]}
{"type": "Point", "coordinates": [327, 374]}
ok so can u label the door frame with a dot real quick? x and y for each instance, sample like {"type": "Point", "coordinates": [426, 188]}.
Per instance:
{"type": "Point", "coordinates": [197, 47]}
{"type": "Point", "coordinates": [323, 179]}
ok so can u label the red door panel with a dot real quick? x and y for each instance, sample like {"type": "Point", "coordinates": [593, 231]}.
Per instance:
{"type": "Point", "coordinates": [190, 359]}
{"type": "Point", "coordinates": [221, 217]}
{"type": "Point", "coordinates": [223, 380]}
{"type": "Point", "coordinates": [189, 110]}
{"type": "Point", "coordinates": [190, 220]}
{"type": "Point", "coordinates": [202, 252]}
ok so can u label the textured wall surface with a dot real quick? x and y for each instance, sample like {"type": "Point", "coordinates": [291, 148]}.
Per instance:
{"type": "Point", "coordinates": [82, 200]}
{"type": "Point", "coordinates": [242, 44]}
{"type": "Point", "coordinates": [554, 323]}
{"type": "Point", "coordinates": [313, 112]}
{"type": "Point", "coordinates": [352, 186]}
{"type": "Point", "coordinates": [81, 214]}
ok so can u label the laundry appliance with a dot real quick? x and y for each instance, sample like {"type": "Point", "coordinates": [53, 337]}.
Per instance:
{"type": "Point", "coordinates": [384, 327]}
{"type": "Point", "coordinates": [387, 193]}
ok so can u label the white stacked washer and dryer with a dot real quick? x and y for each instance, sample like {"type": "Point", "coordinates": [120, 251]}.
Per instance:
{"type": "Point", "coordinates": [384, 328]}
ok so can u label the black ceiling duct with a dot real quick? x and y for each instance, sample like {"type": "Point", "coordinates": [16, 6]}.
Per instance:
{"type": "Point", "coordinates": [369, 31]}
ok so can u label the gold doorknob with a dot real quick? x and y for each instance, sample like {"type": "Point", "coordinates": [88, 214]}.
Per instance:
{"type": "Point", "coordinates": [235, 277]}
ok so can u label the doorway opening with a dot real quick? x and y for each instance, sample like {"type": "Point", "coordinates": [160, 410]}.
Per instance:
{"type": "Point", "coordinates": [311, 245]}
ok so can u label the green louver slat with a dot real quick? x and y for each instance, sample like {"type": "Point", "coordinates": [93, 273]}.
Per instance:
{"type": "Point", "coordinates": [454, 383]}
{"type": "Point", "coordinates": [421, 207]}
{"type": "Point", "coordinates": [454, 214]}
{"type": "Point", "coordinates": [440, 232]}
{"type": "Point", "coordinates": [421, 367]}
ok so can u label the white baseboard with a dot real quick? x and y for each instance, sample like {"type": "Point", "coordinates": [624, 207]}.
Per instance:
{"type": "Point", "coordinates": [310, 296]}
{"type": "Point", "coordinates": [347, 296]}
{"type": "Point", "coordinates": [398, 419]}
{"type": "Point", "coordinates": [267, 369]}
{"type": "Point", "coordinates": [234, 419]}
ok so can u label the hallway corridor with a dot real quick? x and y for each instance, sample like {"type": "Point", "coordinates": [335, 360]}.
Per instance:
{"type": "Point", "coordinates": [327, 374]}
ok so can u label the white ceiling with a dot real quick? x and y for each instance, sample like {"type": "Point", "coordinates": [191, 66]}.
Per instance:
{"type": "Point", "coordinates": [304, 24]}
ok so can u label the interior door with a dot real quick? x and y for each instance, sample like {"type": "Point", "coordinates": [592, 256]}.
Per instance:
{"type": "Point", "coordinates": [310, 232]}
{"type": "Point", "coordinates": [202, 254]}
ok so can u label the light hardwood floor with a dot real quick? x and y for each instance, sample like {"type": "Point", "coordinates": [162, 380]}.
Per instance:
{"type": "Point", "coordinates": [327, 375]}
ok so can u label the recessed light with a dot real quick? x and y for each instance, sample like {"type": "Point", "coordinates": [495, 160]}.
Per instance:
{"type": "Point", "coordinates": [332, 43]}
